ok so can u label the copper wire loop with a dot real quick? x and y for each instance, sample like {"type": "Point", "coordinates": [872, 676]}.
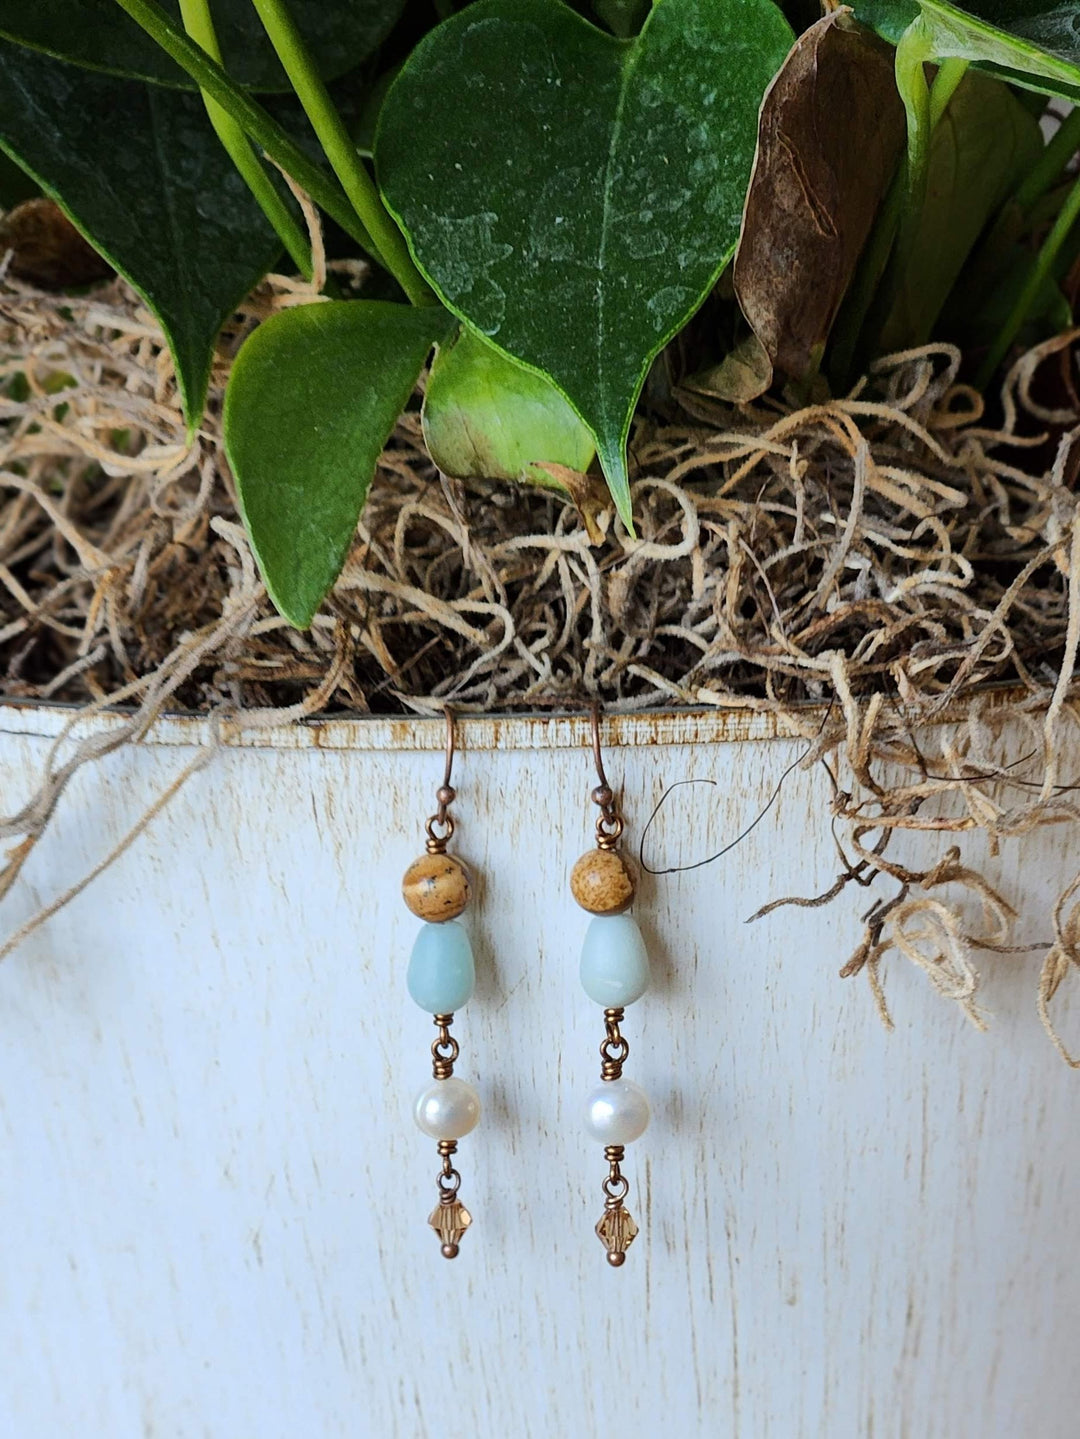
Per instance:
{"type": "Point", "coordinates": [616, 1186]}
{"type": "Point", "coordinates": [436, 843]}
{"type": "Point", "coordinates": [611, 1068]}
{"type": "Point", "coordinates": [614, 1047]}
{"type": "Point", "coordinates": [449, 1182]}
{"type": "Point", "coordinates": [444, 1048]}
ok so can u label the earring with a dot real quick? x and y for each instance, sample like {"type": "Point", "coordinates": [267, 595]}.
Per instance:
{"type": "Point", "coordinates": [441, 978]}
{"type": "Point", "coordinates": [614, 973]}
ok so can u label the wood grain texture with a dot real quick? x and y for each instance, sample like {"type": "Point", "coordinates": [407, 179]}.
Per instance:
{"type": "Point", "coordinates": [213, 1196]}
{"type": "Point", "coordinates": [708, 725]}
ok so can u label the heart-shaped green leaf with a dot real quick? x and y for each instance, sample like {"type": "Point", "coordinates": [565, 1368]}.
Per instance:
{"type": "Point", "coordinates": [1029, 42]}
{"type": "Point", "coordinates": [487, 417]}
{"type": "Point", "coordinates": [98, 34]}
{"type": "Point", "coordinates": [311, 401]}
{"type": "Point", "coordinates": [572, 196]}
{"type": "Point", "coordinates": [141, 173]}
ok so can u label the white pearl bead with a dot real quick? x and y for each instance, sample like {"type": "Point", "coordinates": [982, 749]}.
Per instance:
{"type": "Point", "coordinates": [447, 1109]}
{"type": "Point", "coordinates": [617, 1112]}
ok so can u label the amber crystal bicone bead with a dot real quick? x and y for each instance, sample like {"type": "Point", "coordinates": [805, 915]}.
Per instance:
{"type": "Point", "coordinates": [603, 882]}
{"type": "Point", "coordinates": [450, 1219]}
{"type": "Point", "coordinates": [436, 887]}
{"type": "Point", "coordinates": [616, 1229]}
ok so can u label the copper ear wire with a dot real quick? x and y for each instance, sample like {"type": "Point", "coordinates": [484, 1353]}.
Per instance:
{"type": "Point", "coordinates": [445, 796]}
{"type": "Point", "coordinates": [609, 824]}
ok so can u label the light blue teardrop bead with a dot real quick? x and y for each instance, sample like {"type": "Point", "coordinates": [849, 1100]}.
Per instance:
{"type": "Point", "coordinates": [441, 975]}
{"type": "Point", "coordinates": [614, 961]}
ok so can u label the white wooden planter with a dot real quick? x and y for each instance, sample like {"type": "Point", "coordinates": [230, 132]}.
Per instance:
{"type": "Point", "coordinates": [213, 1199]}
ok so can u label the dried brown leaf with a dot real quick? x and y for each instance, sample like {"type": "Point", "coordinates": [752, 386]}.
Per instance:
{"type": "Point", "coordinates": [831, 133]}
{"type": "Point", "coordinates": [589, 495]}
{"type": "Point", "coordinates": [740, 377]}
{"type": "Point", "coordinates": [47, 249]}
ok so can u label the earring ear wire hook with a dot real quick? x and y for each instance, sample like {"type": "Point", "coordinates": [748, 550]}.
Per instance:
{"type": "Point", "coordinates": [602, 794]}
{"type": "Point", "coordinates": [445, 795]}
{"type": "Point", "coordinates": [449, 714]}
{"type": "Point", "coordinates": [609, 826]}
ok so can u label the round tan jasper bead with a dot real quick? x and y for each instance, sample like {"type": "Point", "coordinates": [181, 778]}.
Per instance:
{"type": "Point", "coordinates": [602, 882]}
{"type": "Point", "coordinates": [436, 887]}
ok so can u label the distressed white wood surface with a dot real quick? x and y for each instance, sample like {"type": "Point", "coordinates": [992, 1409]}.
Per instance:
{"type": "Point", "coordinates": [212, 1196]}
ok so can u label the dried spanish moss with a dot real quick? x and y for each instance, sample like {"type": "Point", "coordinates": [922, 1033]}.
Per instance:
{"type": "Point", "coordinates": [889, 554]}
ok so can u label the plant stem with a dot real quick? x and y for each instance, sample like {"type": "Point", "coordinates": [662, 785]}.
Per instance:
{"type": "Point", "coordinates": [1044, 263]}
{"type": "Point", "coordinates": [1023, 212]}
{"type": "Point", "coordinates": [912, 53]}
{"type": "Point", "coordinates": [200, 26]}
{"type": "Point", "coordinates": [864, 286]}
{"type": "Point", "coordinates": [880, 275]}
{"type": "Point", "coordinates": [254, 120]}
{"type": "Point", "coordinates": [897, 225]}
{"type": "Point", "coordinates": [1062, 146]}
{"type": "Point", "coordinates": [950, 73]}
{"type": "Point", "coordinates": [338, 146]}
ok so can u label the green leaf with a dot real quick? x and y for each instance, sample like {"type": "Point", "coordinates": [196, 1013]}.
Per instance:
{"type": "Point", "coordinates": [984, 144]}
{"type": "Point", "coordinates": [140, 172]}
{"type": "Point", "coordinates": [487, 417]}
{"type": "Point", "coordinates": [15, 184]}
{"type": "Point", "coordinates": [1027, 42]}
{"type": "Point", "coordinates": [1032, 82]}
{"type": "Point", "coordinates": [979, 323]}
{"type": "Point", "coordinates": [1050, 28]}
{"type": "Point", "coordinates": [311, 401]}
{"type": "Point", "coordinates": [574, 197]}
{"type": "Point", "coordinates": [890, 18]}
{"type": "Point", "coordinates": [97, 34]}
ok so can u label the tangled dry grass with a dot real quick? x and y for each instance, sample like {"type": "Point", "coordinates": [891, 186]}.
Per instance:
{"type": "Point", "coordinates": [889, 555]}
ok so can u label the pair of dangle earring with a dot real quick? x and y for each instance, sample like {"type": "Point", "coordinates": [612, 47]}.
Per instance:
{"type": "Point", "coordinates": [614, 973]}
